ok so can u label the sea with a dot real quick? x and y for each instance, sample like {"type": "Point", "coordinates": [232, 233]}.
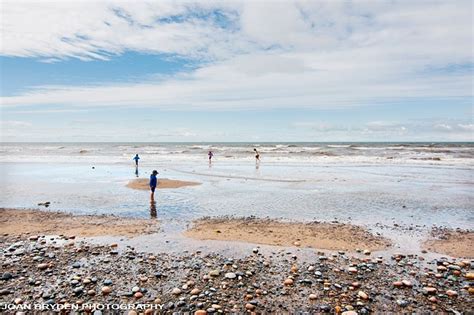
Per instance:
{"type": "Point", "coordinates": [413, 185]}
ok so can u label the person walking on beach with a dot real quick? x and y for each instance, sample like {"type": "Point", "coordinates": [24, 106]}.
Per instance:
{"type": "Point", "coordinates": [210, 154]}
{"type": "Point", "coordinates": [136, 158]}
{"type": "Point", "coordinates": [153, 183]}
{"type": "Point", "coordinates": [257, 155]}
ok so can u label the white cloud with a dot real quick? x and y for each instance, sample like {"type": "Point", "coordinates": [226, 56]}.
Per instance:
{"type": "Point", "coordinates": [307, 54]}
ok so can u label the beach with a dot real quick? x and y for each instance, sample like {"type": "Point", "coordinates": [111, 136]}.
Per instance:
{"type": "Point", "coordinates": [328, 230]}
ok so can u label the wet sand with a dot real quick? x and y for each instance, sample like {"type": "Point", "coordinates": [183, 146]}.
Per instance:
{"type": "Point", "coordinates": [32, 222]}
{"type": "Point", "coordinates": [163, 183]}
{"type": "Point", "coordinates": [271, 232]}
{"type": "Point", "coordinates": [456, 243]}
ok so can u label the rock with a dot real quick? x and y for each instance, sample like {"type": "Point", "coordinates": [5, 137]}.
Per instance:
{"type": "Point", "coordinates": [42, 266]}
{"type": "Point", "coordinates": [288, 282]}
{"type": "Point", "coordinates": [195, 291]}
{"type": "Point", "coordinates": [471, 290]}
{"type": "Point", "coordinates": [362, 295]}
{"type": "Point", "coordinates": [313, 297]}
{"type": "Point", "coordinates": [367, 252]}
{"type": "Point", "coordinates": [107, 282]}
{"type": "Point", "coordinates": [135, 289]}
{"type": "Point", "coordinates": [349, 313]}
{"type": "Point", "coordinates": [255, 250]}
{"type": "Point", "coordinates": [176, 291]}
{"type": "Point", "coordinates": [451, 293]}
{"type": "Point", "coordinates": [230, 275]}
{"type": "Point", "coordinates": [76, 265]}
{"type": "Point", "coordinates": [352, 269]}
{"type": "Point", "coordinates": [132, 312]}
{"type": "Point", "coordinates": [398, 284]}
{"type": "Point", "coordinates": [138, 295]}
{"type": "Point", "coordinates": [403, 303]}
{"type": "Point", "coordinates": [214, 273]}
{"type": "Point", "coordinates": [91, 292]}
{"type": "Point", "coordinates": [469, 276]}
{"type": "Point", "coordinates": [407, 283]}
{"type": "Point", "coordinates": [429, 290]}
{"type": "Point", "coordinates": [106, 290]}
{"type": "Point", "coordinates": [200, 312]}
{"type": "Point", "coordinates": [249, 307]}
{"type": "Point", "coordinates": [297, 243]}
{"type": "Point", "coordinates": [114, 245]}
{"type": "Point", "coordinates": [433, 299]}
{"type": "Point", "coordinates": [6, 276]}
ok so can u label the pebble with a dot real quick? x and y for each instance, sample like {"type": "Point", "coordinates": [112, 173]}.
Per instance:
{"type": "Point", "coordinates": [42, 266]}
{"type": "Point", "coordinates": [313, 296]}
{"type": "Point", "coordinates": [200, 312]}
{"type": "Point", "coordinates": [407, 283]}
{"type": "Point", "coordinates": [349, 313]}
{"type": "Point", "coordinates": [288, 282]}
{"type": "Point", "coordinates": [469, 276]}
{"type": "Point", "coordinates": [249, 307]}
{"type": "Point", "coordinates": [214, 273]}
{"type": "Point", "coordinates": [362, 295]}
{"type": "Point", "coordinates": [195, 291]}
{"type": "Point", "coordinates": [451, 293]}
{"type": "Point", "coordinates": [106, 290]}
{"type": "Point", "coordinates": [138, 295]}
{"type": "Point", "coordinates": [230, 275]}
{"type": "Point", "coordinates": [176, 291]}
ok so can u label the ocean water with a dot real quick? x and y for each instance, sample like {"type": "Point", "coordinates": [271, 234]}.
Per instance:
{"type": "Point", "coordinates": [422, 184]}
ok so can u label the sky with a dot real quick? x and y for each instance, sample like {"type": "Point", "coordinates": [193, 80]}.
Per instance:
{"type": "Point", "coordinates": [213, 71]}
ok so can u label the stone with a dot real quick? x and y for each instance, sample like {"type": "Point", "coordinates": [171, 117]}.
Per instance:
{"type": "Point", "coordinates": [433, 299]}
{"type": "Point", "coordinates": [76, 265]}
{"type": "Point", "coordinates": [195, 291]}
{"type": "Point", "coordinates": [451, 293]}
{"type": "Point", "coordinates": [255, 250]}
{"type": "Point", "coordinates": [397, 284]}
{"type": "Point", "coordinates": [469, 276]}
{"type": "Point", "coordinates": [135, 289]}
{"type": "Point", "coordinates": [230, 275]}
{"type": "Point", "coordinates": [138, 295]}
{"type": "Point", "coordinates": [200, 312]}
{"type": "Point", "coordinates": [42, 266]}
{"type": "Point", "coordinates": [407, 283]}
{"type": "Point", "coordinates": [288, 282]}
{"type": "Point", "coordinates": [429, 290]}
{"type": "Point", "coordinates": [352, 269]}
{"type": "Point", "coordinates": [403, 303]}
{"type": "Point", "coordinates": [176, 291]}
{"type": "Point", "coordinates": [362, 295]}
{"type": "Point", "coordinates": [349, 313]}
{"type": "Point", "coordinates": [313, 297]}
{"type": "Point", "coordinates": [106, 290]}
{"type": "Point", "coordinates": [214, 273]}
{"type": "Point", "coordinates": [249, 307]}
{"type": "Point", "coordinates": [367, 252]}
{"type": "Point", "coordinates": [297, 243]}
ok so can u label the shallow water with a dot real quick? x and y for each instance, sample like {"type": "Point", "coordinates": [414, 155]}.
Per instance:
{"type": "Point", "coordinates": [356, 184]}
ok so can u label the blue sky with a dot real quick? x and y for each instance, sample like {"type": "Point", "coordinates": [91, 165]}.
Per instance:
{"type": "Point", "coordinates": [237, 71]}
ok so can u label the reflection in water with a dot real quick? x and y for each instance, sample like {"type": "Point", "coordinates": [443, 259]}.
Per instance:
{"type": "Point", "coordinates": [136, 171]}
{"type": "Point", "coordinates": [153, 208]}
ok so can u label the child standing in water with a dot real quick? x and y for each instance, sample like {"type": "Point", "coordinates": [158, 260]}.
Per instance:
{"type": "Point", "coordinates": [153, 183]}
{"type": "Point", "coordinates": [136, 158]}
{"type": "Point", "coordinates": [257, 155]}
{"type": "Point", "coordinates": [210, 154]}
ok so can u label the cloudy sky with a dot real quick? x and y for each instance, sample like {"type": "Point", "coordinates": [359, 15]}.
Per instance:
{"type": "Point", "coordinates": [237, 70]}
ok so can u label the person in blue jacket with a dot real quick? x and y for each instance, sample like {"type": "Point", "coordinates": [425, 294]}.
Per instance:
{"type": "Point", "coordinates": [153, 183]}
{"type": "Point", "coordinates": [136, 158]}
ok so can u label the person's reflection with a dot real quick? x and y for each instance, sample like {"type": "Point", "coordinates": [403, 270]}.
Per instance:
{"type": "Point", "coordinates": [136, 171]}
{"type": "Point", "coordinates": [153, 208]}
